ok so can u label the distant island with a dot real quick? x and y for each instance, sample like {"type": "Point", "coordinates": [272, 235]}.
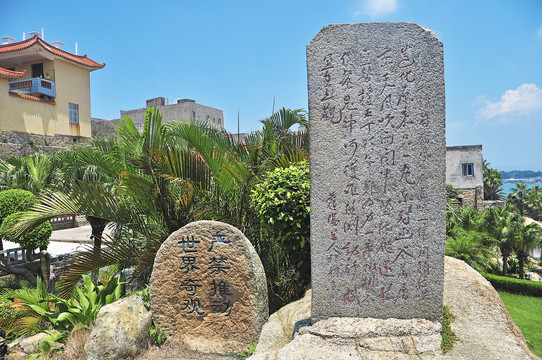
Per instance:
{"type": "Point", "coordinates": [520, 174]}
{"type": "Point", "coordinates": [529, 177]}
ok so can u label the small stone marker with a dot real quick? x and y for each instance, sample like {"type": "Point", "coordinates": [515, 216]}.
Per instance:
{"type": "Point", "coordinates": [377, 163]}
{"type": "Point", "coordinates": [208, 289]}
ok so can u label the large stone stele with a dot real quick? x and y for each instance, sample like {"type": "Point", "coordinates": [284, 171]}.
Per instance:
{"type": "Point", "coordinates": [208, 289]}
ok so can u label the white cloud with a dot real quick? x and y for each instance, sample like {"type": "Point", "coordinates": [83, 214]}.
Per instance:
{"type": "Point", "coordinates": [525, 100]}
{"type": "Point", "coordinates": [376, 8]}
{"type": "Point", "coordinates": [539, 33]}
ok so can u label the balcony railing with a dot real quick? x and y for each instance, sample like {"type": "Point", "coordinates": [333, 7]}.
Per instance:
{"type": "Point", "coordinates": [34, 86]}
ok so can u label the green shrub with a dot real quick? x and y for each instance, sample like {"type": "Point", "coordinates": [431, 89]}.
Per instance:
{"type": "Point", "coordinates": [281, 203]}
{"type": "Point", "coordinates": [515, 286]}
{"type": "Point", "coordinates": [15, 200]}
{"type": "Point", "coordinates": [37, 238]}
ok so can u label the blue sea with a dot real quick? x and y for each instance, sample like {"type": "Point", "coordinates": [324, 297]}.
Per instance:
{"type": "Point", "coordinates": [508, 186]}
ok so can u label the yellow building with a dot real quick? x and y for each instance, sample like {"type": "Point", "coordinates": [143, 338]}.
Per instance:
{"type": "Point", "coordinates": [44, 90]}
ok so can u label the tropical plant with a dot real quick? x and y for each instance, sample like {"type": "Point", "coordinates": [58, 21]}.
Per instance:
{"type": "Point", "coordinates": [518, 197]}
{"type": "Point", "coordinates": [497, 223]}
{"type": "Point", "coordinates": [492, 183]}
{"type": "Point", "coordinates": [469, 246]}
{"type": "Point", "coordinates": [149, 191]}
{"type": "Point", "coordinates": [32, 173]}
{"type": "Point", "coordinates": [525, 237]}
{"type": "Point", "coordinates": [150, 184]}
{"type": "Point", "coordinates": [82, 307]}
{"type": "Point", "coordinates": [533, 202]}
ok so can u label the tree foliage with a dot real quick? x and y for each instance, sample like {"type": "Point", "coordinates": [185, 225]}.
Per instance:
{"type": "Point", "coordinates": [281, 203]}
{"type": "Point", "coordinates": [492, 183]}
{"type": "Point", "coordinates": [36, 238]}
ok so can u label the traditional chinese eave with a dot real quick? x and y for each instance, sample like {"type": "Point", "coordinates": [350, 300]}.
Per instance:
{"type": "Point", "coordinates": [37, 41]}
{"type": "Point", "coordinates": [9, 74]}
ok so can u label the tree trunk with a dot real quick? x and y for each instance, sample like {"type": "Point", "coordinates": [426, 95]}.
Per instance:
{"type": "Point", "coordinates": [522, 256]}
{"type": "Point", "coordinates": [98, 227]}
{"type": "Point", "coordinates": [504, 265]}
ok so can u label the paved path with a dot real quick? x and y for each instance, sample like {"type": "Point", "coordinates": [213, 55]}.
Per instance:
{"type": "Point", "coordinates": [64, 241]}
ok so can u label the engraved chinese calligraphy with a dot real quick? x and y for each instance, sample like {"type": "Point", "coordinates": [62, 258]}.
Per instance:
{"type": "Point", "coordinates": [209, 283]}
{"type": "Point", "coordinates": [376, 112]}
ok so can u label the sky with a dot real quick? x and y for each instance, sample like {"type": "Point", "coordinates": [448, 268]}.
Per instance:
{"type": "Point", "coordinates": [244, 55]}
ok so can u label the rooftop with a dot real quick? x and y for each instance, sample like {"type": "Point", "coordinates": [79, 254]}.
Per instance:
{"type": "Point", "coordinates": [28, 50]}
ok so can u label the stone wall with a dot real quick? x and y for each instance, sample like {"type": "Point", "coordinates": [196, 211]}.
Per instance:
{"type": "Point", "coordinates": [19, 143]}
{"type": "Point", "coordinates": [104, 128]}
{"type": "Point", "coordinates": [472, 197]}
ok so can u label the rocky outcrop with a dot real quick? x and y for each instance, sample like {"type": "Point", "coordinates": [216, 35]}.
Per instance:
{"type": "Point", "coordinates": [279, 330]}
{"type": "Point", "coordinates": [483, 325]}
{"type": "Point", "coordinates": [484, 328]}
{"type": "Point", "coordinates": [121, 330]}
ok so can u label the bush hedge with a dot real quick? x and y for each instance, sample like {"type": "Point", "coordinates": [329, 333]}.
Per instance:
{"type": "Point", "coordinates": [15, 200]}
{"type": "Point", "coordinates": [37, 238]}
{"type": "Point", "coordinates": [516, 286]}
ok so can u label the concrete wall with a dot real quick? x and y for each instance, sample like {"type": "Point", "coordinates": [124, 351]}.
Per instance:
{"type": "Point", "coordinates": [72, 85]}
{"type": "Point", "coordinates": [187, 110]}
{"type": "Point", "coordinates": [456, 156]}
{"type": "Point", "coordinates": [18, 114]}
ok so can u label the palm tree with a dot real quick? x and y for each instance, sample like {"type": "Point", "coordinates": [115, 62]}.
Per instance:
{"type": "Point", "coordinates": [32, 173]}
{"type": "Point", "coordinates": [533, 202]}
{"type": "Point", "coordinates": [492, 183]}
{"type": "Point", "coordinates": [497, 223]}
{"type": "Point", "coordinates": [526, 237]}
{"type": "Point", "coordinates": [518, 196]}
{"type": "Point", "coordinates": [469, 246]}
{"type": "Point", "coordinates": [141, 183]}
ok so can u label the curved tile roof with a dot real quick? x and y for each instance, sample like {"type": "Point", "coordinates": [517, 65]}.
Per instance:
{"type": "Point", "coordinates": [31, 97]}
{"type": "Point", "coordinates": [36, 40]}
{"type": "Point", "coordinates": [9, 74]}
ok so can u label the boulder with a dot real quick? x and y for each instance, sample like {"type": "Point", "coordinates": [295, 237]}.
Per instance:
{"type": "Point", "coordinates": [121, 330]}
{"type": "Point", "coordinates": [208, 289]}
{"type": "Point", "coordinates": [26, 345]}
{"type": "Point", "coordinates": [484, 328]}
{"type": "Point", "coordinates": [281, 327]}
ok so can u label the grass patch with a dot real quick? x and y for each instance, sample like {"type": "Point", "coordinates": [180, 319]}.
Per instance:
{"type": "Point", "coordinates": [526, 311]}
{"type": "Point", "coordinates": [448, 336]}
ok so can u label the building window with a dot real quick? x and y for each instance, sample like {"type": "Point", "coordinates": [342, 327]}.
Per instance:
{"type": "Point", "coordinates": [74, 113]}
{"type": "Point", "coordinates": [193, 115]}
{"type": "Point", "coordinates": [218, 121]}
{"type": "Point", "coordinates": [468, 169]}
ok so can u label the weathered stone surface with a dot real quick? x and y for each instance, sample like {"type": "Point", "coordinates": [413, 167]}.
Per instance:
{"type": "Point", "coordinates": [482, 324]}
{"type": "Point", "coordinates": [377, 151]}
{"type": "Point", "coordinates": [26, 345]}
{"type": "Point", "coordinates": [208, 289]}
{"type": "Point", "coordinates": [362, 338]}
{"type": "Point", "coordinates": [279, 330]}
{"type": "Point", "coordinates": [121, 330]}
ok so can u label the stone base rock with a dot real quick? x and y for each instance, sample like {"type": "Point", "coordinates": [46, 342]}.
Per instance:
{"type": "Point", "coordinates": [121, 330]}
{"type": "Point", "coordinates": [359, 338]}
{"type": "Point", "coordinates": [484, 328]}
